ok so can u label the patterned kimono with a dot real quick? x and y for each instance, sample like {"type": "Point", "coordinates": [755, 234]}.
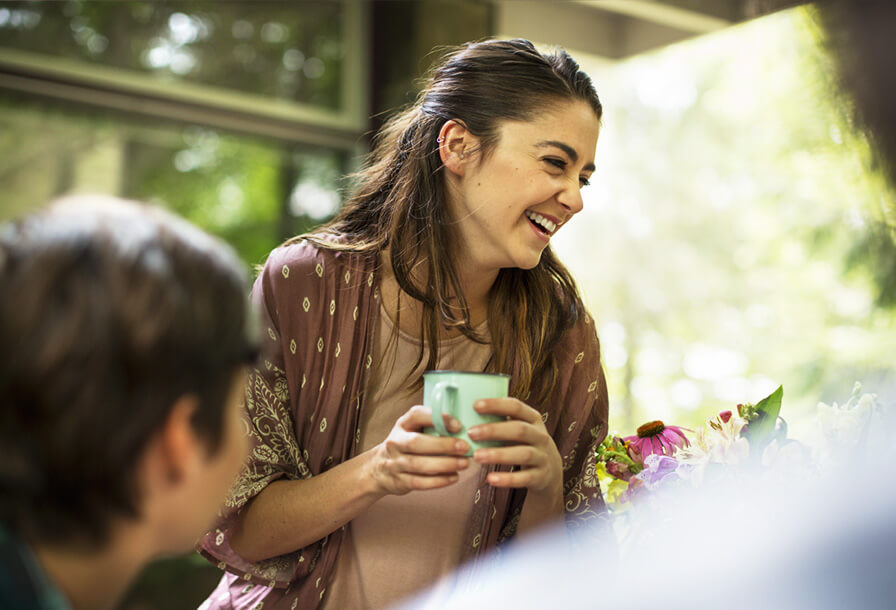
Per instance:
{"type": "Point", "coordinates": [319, 308]}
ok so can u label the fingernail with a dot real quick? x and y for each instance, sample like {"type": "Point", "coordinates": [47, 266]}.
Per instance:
{"type": "Point", "coordinates": [479, 405]}
{"type": "Point", "coordinates": [481, 455]}
{"type": "Point", "coordinates": [454, 426]}
{"type": "Point", "coordinates": [475, 432]}
{"type": "Point", "coordinates": [461, 446]}
{"type": "Point", "coordinates": [461, 464]}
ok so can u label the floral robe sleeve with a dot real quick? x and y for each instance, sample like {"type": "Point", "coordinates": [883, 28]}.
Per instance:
{"type": "Point", "coordinates": [274, 451]}
{"type": "Point", "coordinates": [581, 424]}
{"type": "Point", "coordinates": [302, 401]}
{"type": "Point", "coordinates": [576, 417]}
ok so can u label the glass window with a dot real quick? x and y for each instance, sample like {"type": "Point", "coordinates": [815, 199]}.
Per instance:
{"type": "Point", "coordinates": [251, 191]}
{"type": "Point", "coordinates": [280, 50]}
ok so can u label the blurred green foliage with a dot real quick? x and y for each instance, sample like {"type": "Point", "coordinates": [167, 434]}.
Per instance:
{"type": "Point", "coordinates": [235, 187]}
{"type": "Point", "coordinates": [732, 239]}
{"type": "Point", "coordinates": [262, 47]}
{"type": "Point", "coordinates": [252, 192]}
{"type": "Point", "coordinates": [874, 254]}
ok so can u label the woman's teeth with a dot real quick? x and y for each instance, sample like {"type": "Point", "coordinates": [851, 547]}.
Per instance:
{"type": "Point", "coordinates": [544, 223]}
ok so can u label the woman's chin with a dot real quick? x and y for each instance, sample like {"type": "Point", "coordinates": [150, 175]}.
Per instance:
{"type": "Point", "coordinates": [528, 262]}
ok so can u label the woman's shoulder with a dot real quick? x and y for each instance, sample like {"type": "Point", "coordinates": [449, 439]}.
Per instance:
{"type": "Point", "coordinates": [317, 253]}
{"type": "Point", "coordinates": [580, 337]}
{"type": "Point", "coordinates": [579, 364]}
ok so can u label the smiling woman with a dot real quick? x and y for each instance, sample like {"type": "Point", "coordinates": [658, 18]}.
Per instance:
{"type": "Point", "coordinates": [440, 260]}
{"type": "Point", "coordinates": [508, 206]}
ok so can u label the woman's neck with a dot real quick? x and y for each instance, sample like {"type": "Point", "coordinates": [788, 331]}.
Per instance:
{"type": "Point", "coordinates": [475, 284]}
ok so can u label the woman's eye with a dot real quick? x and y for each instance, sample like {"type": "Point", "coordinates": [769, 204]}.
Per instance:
{"type": "Point", "coordinates": [561, 164]}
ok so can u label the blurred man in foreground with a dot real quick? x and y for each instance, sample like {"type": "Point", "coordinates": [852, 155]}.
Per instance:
{"type": "Point", "coordinates": [123, 337]}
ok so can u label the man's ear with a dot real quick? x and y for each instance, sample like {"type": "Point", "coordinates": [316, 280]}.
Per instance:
{"type": "Point", "coordinates": [457, 146]}
{"type": "Point", "coordinates": [181, 450]}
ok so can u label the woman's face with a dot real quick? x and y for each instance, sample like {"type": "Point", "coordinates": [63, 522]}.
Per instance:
{"type": "Point", "coordinates": [508, 205]}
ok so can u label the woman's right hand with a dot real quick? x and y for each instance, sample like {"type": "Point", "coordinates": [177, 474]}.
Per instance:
{"type": "Point", "coordinates": [405, 461]}
{"type": "Point", "coordinates": [409, 460]}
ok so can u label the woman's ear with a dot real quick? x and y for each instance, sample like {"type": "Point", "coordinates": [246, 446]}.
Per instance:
{"type": "Point", "coordinates": [456, 146]}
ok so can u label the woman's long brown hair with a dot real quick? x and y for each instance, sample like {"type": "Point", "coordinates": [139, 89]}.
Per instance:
{"type": "Point", "coordinates": [400, 204]}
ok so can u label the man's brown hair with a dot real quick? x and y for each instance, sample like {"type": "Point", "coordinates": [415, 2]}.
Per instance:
{"type": "Point", "coordinates": [109, 312]}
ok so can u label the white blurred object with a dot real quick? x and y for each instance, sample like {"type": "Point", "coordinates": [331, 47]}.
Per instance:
{"type": "Point", "coordinates": [814, 542]}
{"type": "Point", "coordinates": [311, 199]}
{"type": "Point", "coordinates": [856, 425]}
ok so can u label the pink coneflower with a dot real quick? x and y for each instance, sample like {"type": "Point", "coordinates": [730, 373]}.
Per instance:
{"type": "Point", "coordinates": [656, 437]}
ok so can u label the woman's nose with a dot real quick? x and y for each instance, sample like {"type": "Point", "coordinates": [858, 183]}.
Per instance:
{"type": "Point", "coordinates": [571, 198]}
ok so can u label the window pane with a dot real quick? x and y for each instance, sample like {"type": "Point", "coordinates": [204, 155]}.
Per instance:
{"type": "Point", "coordinates": [281, 50]}
{"type": "Point", "coordinates": [250, 191]}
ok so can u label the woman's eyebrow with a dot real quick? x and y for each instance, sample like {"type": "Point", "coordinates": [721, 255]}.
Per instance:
{"type": "Point", "coordinates": [569, 150]}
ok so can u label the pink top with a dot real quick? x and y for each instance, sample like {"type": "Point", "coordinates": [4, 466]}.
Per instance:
{"type": "Point", "coordinates": [403, 544]}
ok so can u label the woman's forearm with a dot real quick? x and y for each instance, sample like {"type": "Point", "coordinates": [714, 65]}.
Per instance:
{"type": "Point", "coordinates": [289, 515]}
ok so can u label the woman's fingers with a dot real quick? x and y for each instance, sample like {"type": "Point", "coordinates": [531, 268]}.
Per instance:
{"type": "Point", "coordinates": [407, 459]}
{"type": "Point", "coordinates": [508, 407]}
{"type": "Point", "coordinates": [408, 439]}
{"type": "Point", "coordinates": [422, 482]}
{"type": "Point", "coordinates": [526, 451]}
{"type": "Point", "coordinates": [426, 444]}
{"type": "Point", "coordinates": [419, 417]}
{"type": "Point", "coordinates": [519, 478]}
{"type": "Point", "coordinates": [529, 446]}
{"type": "Point", "coordinates": [428, 465]}
{"type": "Point", "coordinates": [517, 455]}
{"type": "Point", "coordinates": [513, 431]}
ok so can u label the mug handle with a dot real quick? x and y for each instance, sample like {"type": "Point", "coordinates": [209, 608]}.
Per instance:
{"type": "Point", "coordinates": [438, 398]}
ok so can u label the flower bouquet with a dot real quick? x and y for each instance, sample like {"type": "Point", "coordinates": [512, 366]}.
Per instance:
{"type": "Point", "coordinates": [661, 456]}
{"type": "Point", "coordinates": [667, 485]}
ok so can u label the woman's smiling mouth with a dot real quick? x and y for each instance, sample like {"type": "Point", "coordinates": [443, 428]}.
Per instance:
{"type": "Point", "coordinates": [544, 227]}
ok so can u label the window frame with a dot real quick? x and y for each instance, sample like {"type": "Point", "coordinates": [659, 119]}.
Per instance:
{"type": "Point", "coordinates": [217, 107]}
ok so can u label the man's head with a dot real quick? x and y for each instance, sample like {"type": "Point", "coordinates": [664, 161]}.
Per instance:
{"type": "Point", "coordinates": [123, 335]}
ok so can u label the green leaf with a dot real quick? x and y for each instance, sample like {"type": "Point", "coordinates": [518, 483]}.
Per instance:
{"type": "Point", "coordinates": [760, 430]}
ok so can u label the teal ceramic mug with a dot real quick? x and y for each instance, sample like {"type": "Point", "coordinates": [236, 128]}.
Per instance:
{"type": "Point", "coordinates": [453, 393]}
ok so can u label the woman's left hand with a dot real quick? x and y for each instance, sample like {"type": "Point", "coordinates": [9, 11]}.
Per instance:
{"type": "Point", "coordinates": [529, 446]}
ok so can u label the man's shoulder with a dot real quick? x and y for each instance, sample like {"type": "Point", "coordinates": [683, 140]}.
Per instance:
{"type": "Point", "coordinates": [23, 584]}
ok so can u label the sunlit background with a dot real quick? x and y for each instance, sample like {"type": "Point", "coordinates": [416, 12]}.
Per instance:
{"type": "Point", "coordinates": [733, 238]}
{"type": "Point", "coordinates": [736, 235]}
